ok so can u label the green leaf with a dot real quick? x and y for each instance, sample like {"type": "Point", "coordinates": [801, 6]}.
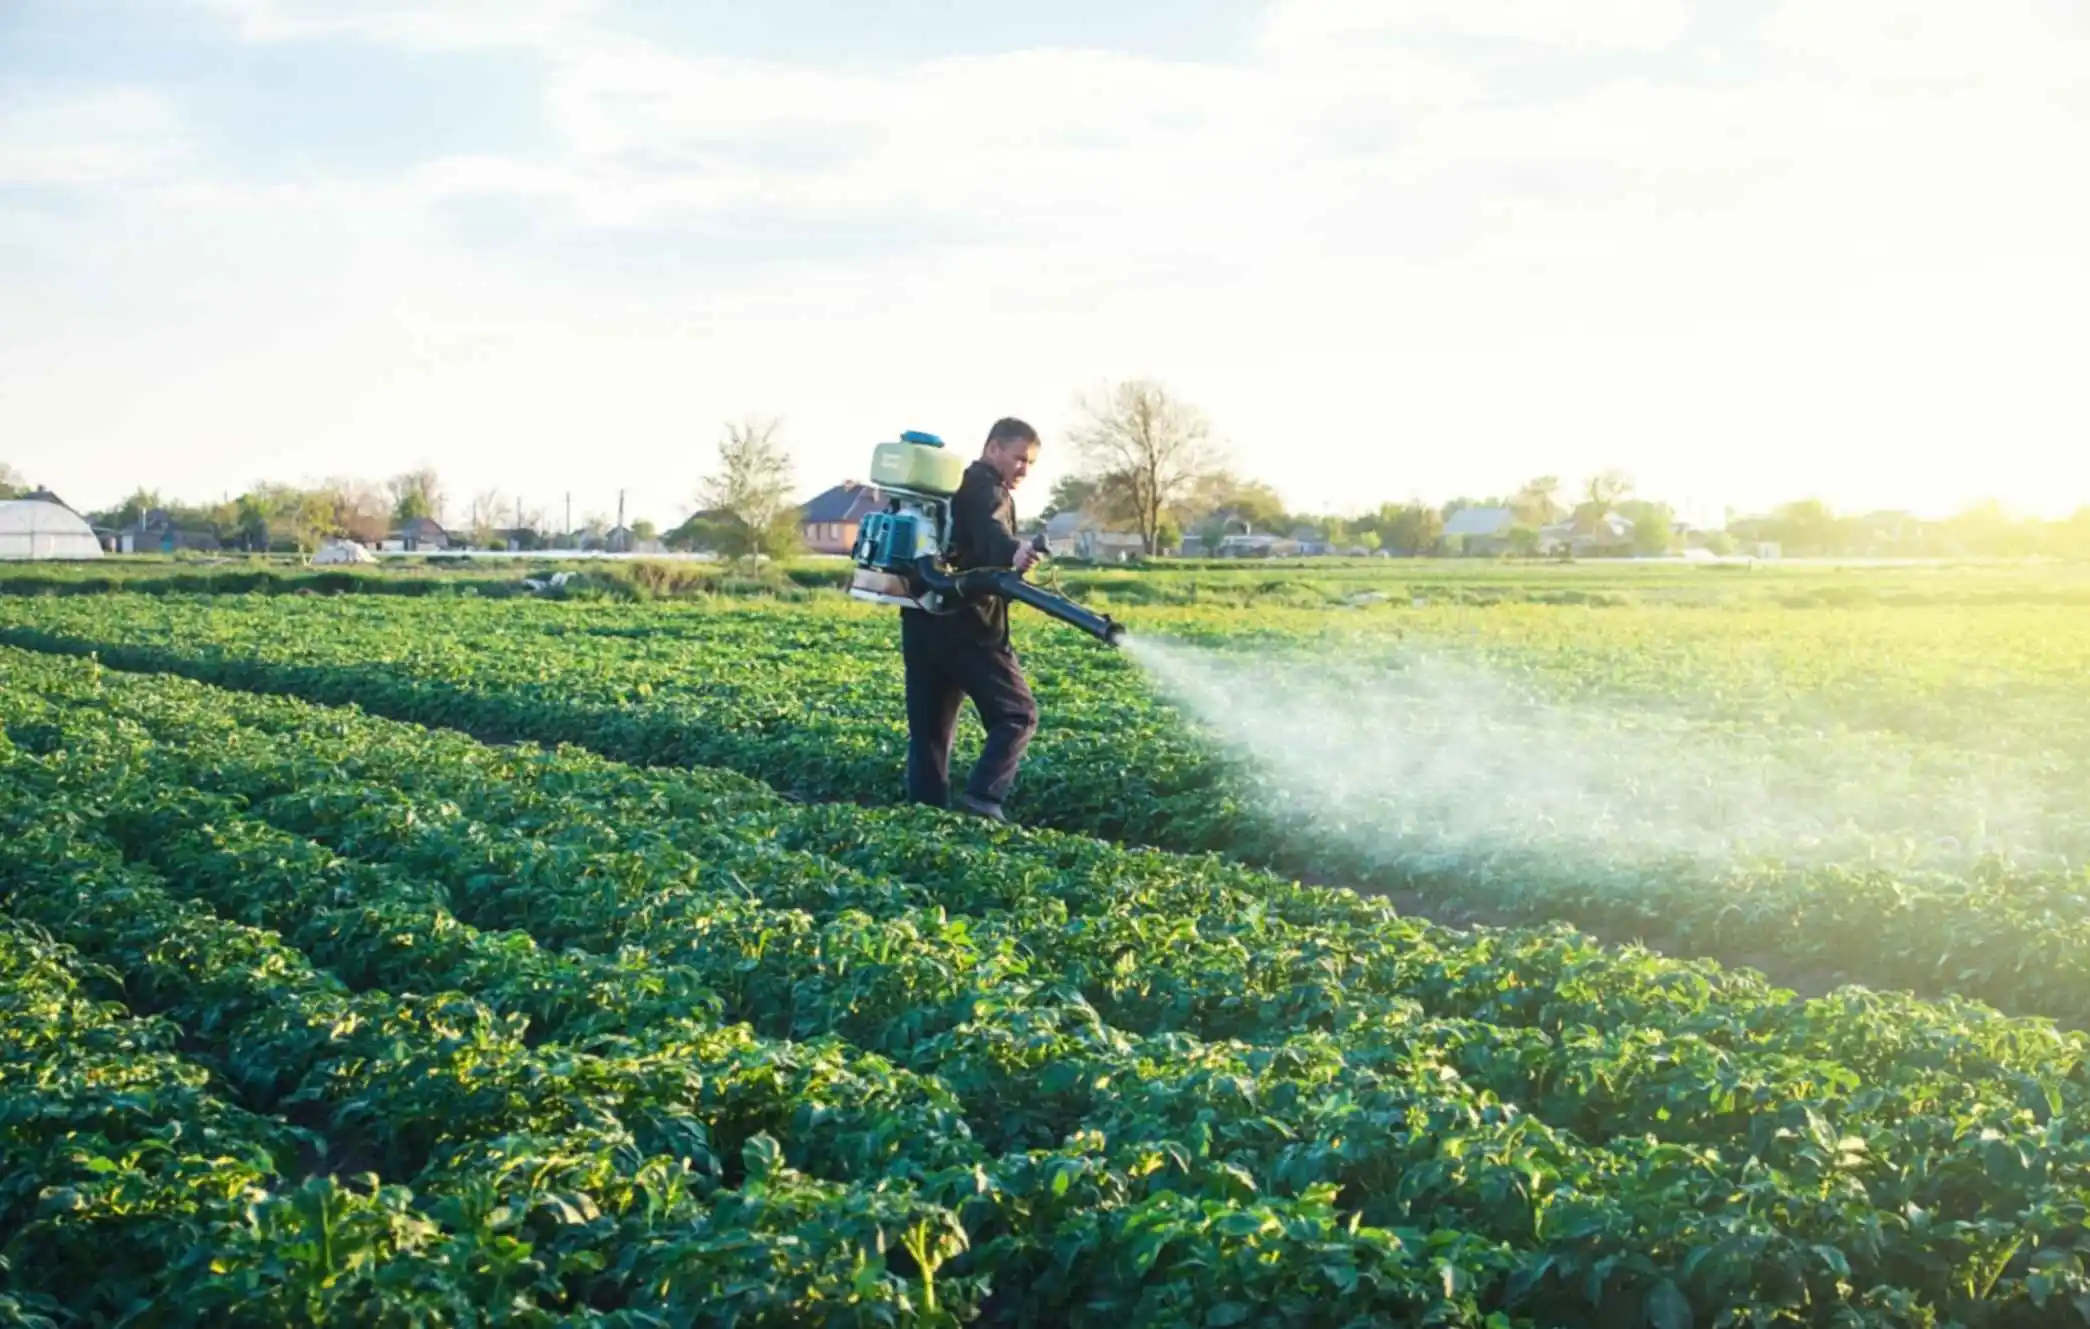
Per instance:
{"type": "Point", "coordinates": [1229, 1312]}
{"type": "Point", "coordinates": [1668, 1307]}
{"type": "Point", "coordinates": [761, 1155]}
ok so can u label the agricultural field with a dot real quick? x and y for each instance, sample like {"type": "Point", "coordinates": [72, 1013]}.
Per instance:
{"type": "Point", "coordinates": [447, 960]}
{"type": "Point", "coordinates": [321, 1018]}
{"type": "Point", "coordinates": [1882, 778]}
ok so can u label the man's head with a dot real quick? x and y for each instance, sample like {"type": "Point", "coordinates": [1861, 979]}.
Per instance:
{"type": "Point", "coordinates": [1012, 449]}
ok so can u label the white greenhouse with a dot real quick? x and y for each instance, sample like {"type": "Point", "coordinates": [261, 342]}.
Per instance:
{"type": "Point", "coordinates": [33, 529]}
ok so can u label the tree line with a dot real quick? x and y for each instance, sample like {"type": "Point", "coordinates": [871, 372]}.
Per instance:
{"type": "Point", "coordinates": [1147, 466]}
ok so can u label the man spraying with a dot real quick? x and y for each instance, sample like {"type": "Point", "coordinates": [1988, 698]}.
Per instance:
{"type": "Point", "coordinates": [967, 653]}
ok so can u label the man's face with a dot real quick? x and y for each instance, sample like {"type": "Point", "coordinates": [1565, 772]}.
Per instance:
{"type": "Point", "coordinates": [1012, 460]}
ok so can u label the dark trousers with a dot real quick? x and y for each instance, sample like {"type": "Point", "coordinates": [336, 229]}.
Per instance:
{"type": "Point", "coordinates": [945, 665]}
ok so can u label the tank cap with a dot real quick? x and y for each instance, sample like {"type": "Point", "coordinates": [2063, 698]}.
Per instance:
{"type": "Point", "coordinates": [917, 436]}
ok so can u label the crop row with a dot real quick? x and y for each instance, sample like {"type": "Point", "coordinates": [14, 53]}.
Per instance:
{"type": "Point", "coordinates": [584, 1217]}
{"type": "Point", "coordinates": [542, 1177]}
{"type": "Point", "coordinates": [1372, 1116]}
{"type": "Point", "coordinates": [1046, 1194]}
{"type": "Point", "coordinates": [519, 820]}
{"type": "Point", "coordinates": [803, 698]}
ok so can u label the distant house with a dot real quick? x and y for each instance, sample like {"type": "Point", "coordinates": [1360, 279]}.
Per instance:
{"type": "Point", "coordinates": [1307, 542]}
{"type": "Point", "coordinates": [157, 533]}
{"type": "Point", "coordinates": [622, 540]}
{"type": "Point", "coordinates": [827, 522]}
{"type": "Point", "coordinates": [1261, 545]}
{"type": "Point", "coordinates": [1078, 535]}
{"type": "Point", "coordinates": [417, 535]}
{"type": "Point", "coordinates": [1483, 531]}
{"type": "Point", "coordinates": [1610, 535]}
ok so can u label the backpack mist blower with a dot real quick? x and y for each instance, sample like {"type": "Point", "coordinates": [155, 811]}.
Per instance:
{"type": "Point", "coordinates": [900, 552]}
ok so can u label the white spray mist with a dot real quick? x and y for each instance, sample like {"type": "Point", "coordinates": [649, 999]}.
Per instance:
{"type": "Point", "coordinates": [1432, 762]}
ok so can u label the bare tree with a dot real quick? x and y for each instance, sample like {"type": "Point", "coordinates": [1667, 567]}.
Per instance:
{"type": "Point", "coordinates": [362, 511]}
{"type": "Point", "coordinates": [416, 493]}
{"type": "Point", "coordinates": [1147, 449]}
{"type": "Point", "coordinates": [486, 518]}
{"type": "Point", "coordinates": [530, 525]}
{"type": "Point", "coordinates": [749, 494]}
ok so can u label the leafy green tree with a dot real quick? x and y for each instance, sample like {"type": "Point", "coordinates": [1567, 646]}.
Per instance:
{"type": "Point", "coordinates": [1654, 526]}
{"type": "Point", "coordinates": [1412, 528]}
{"type": "Point", "coordinates": [416, 494]}
{"type": "Point", "coordinates": [1222, 498]}
{"type": "Point", "coordinates": [747, 500]}
{"type": "Point", "coordinates": [1808, 526]}
{"type": "Point", "coordinates": [251, 521]}
{"type": "Point", "coordinates": [312, 521]}
{"type": "Point", "coordinates": [132, 510]}
{"type": "Point", "coordinates": [1537, 502]}
{"type": "Point", "coordinates": [1072, 493]}
{"type": "Point", "coordinates": [11, 482]}
{"type": "Point", "coordinates": [1169, 535]}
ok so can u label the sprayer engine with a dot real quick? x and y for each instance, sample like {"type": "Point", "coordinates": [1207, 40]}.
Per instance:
{"type": "Point", "coordinates": [900, 552]}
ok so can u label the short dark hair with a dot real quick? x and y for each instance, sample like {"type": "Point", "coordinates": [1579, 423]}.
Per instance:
{"type": "Point", "coordinates": [1009, 429]}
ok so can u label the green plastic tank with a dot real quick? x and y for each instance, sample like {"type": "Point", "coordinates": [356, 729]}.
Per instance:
{"type": "Point", "coordinates": [919, 462]}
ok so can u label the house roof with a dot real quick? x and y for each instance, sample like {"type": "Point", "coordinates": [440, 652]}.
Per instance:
{"type": "Point", "coordinates": [1480, 521]}
{"type": "Point", "coordinates": [850, 500]}
{"type": "Point", "coordinates": [422, 528]}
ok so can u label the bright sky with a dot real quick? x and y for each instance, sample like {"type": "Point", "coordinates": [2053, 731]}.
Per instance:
{"type": "Point", "coordinates": [1745, 249]}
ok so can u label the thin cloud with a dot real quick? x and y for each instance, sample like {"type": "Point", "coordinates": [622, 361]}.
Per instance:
{"type": "Point", "coordinates": [93, 140]}
{"type": "Point", "coordinates": [448, 25]}
{"type": "Point", "coordinates": [1733, 278]}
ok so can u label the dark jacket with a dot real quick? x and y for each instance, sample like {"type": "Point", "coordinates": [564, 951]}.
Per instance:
{"type": "Point", "coordinates": [983, 535]}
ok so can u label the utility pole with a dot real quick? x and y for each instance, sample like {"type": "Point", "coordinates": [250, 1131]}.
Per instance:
{"type": "Point", "coordinates": [567, 534]}
{"type": "Point", "coordinates": [620, 507]}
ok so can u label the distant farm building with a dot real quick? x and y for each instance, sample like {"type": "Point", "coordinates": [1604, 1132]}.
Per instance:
{"type": "Point", "coordinates": [1485, 531]}
{"type": "Point", "coordinates": [1608, 534]}
{"type": "Point", "coordinates": [1261, 545]}
{"type": "Point", "coordinates": [827, 523]}
{"type": "Point", "coordinates": [1078, 535]}
{"type": "Point", "coordinates": [417, 535]}
{"type": "Point", "coordinates": [623, 540]}
{"type": "Point", "coordinates": [158, 532]}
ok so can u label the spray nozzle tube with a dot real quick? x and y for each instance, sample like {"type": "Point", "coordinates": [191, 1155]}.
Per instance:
{"type": "Point", "coordinates": [1010, 585]}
